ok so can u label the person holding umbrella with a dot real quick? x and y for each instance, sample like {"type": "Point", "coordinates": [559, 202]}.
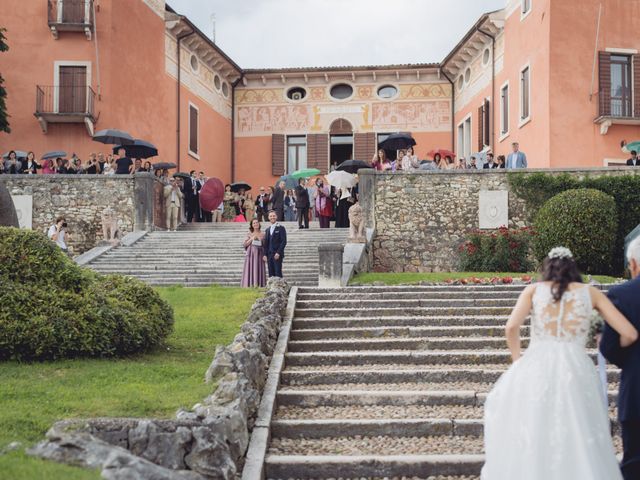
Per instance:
{"type": "Point", "coordinates": [302, 204]}
{"type": "Point", "coordinates": [124, 164]}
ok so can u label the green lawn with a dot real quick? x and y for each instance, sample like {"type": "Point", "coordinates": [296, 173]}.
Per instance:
{"type": "Point", "coordinates": [409, 278]}
{"type": "Point", "coordinates": [33, 396]}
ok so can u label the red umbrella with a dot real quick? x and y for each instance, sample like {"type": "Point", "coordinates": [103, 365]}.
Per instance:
{"type": "Point", "coordinates": [211, 194]}
{"type": "Point", "coordinates": [443, 153]}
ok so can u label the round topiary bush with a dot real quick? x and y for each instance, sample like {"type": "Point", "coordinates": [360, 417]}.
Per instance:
{"type": "Point", "coordinates": [583, 220]}
{"type": "Point", "coordinates": [51, 308]}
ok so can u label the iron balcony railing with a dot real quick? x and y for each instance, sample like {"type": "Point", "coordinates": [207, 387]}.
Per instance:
{"type": "Point", "coordinates": [615, 107]}
{"type": "Point", "coordinates": [67, 101]}
{"type": "Point", "coordinates": [70, 13]}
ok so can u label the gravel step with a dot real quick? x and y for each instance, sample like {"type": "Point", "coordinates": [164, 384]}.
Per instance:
{"type": "Point", "coordinates": [407, 294]}
{"type": "Point", "coordinates": [401, 332]}
{"type": "Point", "coordinates": [374, 321]}
{"type": "Point", "coordinates": [337, 398]}
{"type": "Point", "coordinates": [393, 311]}
{"type": "Point", "coordinates": [404, 303]}
{"type": "Point", "coordinates": [452, 357]}
{"type": "Point", "coordinates": [422, 344]}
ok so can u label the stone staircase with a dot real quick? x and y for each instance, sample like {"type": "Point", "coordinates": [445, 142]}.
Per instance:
{"type": "Point", "coordinates": [201, 254]}
{"type": "Point", "coordinates": [390, 382]}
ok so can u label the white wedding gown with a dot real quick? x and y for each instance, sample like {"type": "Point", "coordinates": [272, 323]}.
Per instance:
{"type": "Point", "coordinates": [545, 419]}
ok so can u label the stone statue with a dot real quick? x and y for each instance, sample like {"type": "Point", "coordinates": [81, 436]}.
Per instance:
{"type": "Point", "coordinates": [110, 229]}
{"type": "Point", "coordinates": [356, 227]}
{"type": "Point", "coordinates": [8, 215]}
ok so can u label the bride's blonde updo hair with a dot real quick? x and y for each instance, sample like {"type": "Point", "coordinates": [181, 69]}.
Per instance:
{"type": "Point", "coordinates": [560, 268]}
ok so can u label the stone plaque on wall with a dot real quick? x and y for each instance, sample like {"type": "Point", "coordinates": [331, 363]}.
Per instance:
{"type": "Point", "coordinates": [493, 209]}
{"type": "Point", "coordinates": [24, 209]}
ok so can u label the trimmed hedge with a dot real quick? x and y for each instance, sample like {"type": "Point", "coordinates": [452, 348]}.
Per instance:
{"type": "Point", "coordinates": [583, 220]}
{"type": "Point", "coordinates": [502, 250]}
{"type": "Point", "coordinates": [536, 188]}
{"type": "Point", "coordinates": [51, 308]}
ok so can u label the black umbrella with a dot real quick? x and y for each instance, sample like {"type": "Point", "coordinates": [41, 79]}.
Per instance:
{"type": "Point", "coordinates": [352, 166]}
{"type": "Point", "coordinates": [163, 165]}
{"type": "Point", "coordinates": [139, 149]}
{"type": "Point", "coordinates": [54, 154]}
{"type": "Point", "coordinates": [397, 141]}
{"type": "Point", "coordinates": [236, 187]}
{"type": "Point", "coordinates": [111, 136]}
{"type": "Point", "coordinates": [181, 175]}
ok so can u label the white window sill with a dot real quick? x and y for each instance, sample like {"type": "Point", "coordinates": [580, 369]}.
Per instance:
{"type": "Point", "coordinates": [503, 137]}
{"type": "Point", "coordinates": [525, 15]}
{"type": "Point", "coordinates": [523, 122]}
{"type": "Point", "coordinates": [194, 155]}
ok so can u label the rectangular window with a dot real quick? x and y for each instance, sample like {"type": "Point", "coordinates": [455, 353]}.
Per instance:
{"type": "Point", "coordinates": [526, 7]}
{"type": "Point", "coordinates": [464, 138]}
{"type": "Point", "coordinates": [621, 86]}
{"type": "Point", "coordinates": [193, 131]}
{"type": "Point", "coordinates": [504, 110]}
{"type": "Point", "coordinates": [525, 91]}
{"type": "Point", "coordinates": [296, 153]}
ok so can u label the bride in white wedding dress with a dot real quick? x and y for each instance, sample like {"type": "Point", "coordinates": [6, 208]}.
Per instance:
{"type": "Point", "coordinates": [545, 419]}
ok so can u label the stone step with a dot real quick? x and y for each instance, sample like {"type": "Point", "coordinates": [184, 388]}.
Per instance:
{"type": "Point", "coordinates": [452, 357]}
{"type": "Point", "coordinates": [407, 427]}
{"type": "Point", "coordinates": [373, 289]}
{"type": "Point", "coordinates": [348, 294]}
{"type": "Point", "coordinates": [416, 344]}
{"type": "Point", "coordinates": [453, 331]}
{"type": "Point", "coordinates": [409, 311]}
{"type": "Point", "coordinates": [403, 303]}
{"type": "Point", "coordinates": [315, 323]}
{"type": "Point", "coordinates": [335, 398]}
{"type": "Point", "coordinates": [430, 467]}
{"type": "Point", "coordinates": [374, 376]}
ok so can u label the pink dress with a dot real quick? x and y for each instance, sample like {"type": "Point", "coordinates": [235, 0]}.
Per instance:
{"type": "Point", "coordinates": [253, 273]}
{"type": "Point", "coordinates": [46, 167]}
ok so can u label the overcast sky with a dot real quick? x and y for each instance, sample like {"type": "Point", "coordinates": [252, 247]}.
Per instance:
{"type": "Point", "coordinates": [306, 33]}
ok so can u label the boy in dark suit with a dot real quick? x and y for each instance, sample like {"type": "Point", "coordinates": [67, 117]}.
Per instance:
{"type": "Point", "coordinates": [275, 241]}
{"type": "Point", "coordinates": [626, 298]}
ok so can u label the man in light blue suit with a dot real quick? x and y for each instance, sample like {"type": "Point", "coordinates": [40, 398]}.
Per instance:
{"type": "Point", "coordinates": [516, 159]}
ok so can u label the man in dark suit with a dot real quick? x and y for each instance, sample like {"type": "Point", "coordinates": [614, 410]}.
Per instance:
{"type": "Point", "coordinates": [189, 190]}
{"type": "Point", "coordinates": [277, 201]}
{"type": "Point", "coordinates": [634, 161]}
{"type": "Point", "coordinates": [275, 241]}
{"type": "Point", "coordinates": [626, 298]}
{"type": "Point", "coordinates": [302, 204]}
{"type": "Point", "coordinates": [490, 163]}
{"type": "Point", "coordinates": [262, 205]}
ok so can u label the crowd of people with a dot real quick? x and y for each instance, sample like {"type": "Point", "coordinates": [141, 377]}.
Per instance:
{"type": "Point", "coordinates": [96, 164]}
{"type": "Point", "coordinates": [406, 160]}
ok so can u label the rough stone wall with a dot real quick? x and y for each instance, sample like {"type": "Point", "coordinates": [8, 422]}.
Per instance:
{"type": "Point", "coordinates": [81, 200]}
{"type": "Point", "coordinates": [421, 218]}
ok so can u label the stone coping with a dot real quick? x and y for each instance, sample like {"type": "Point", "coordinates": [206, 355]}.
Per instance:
{"type": "Point", "coordinates": [77, 176]}
{"type": "Point", "coordinates": [501, 171]}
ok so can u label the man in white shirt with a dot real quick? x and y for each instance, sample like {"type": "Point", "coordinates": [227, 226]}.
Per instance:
{"type": "Point", "coordinates": [58, 233]}
{"type": "Point", "coordinates": [173, 204]}
{"type": "Point", "coordinates": [516, 159]}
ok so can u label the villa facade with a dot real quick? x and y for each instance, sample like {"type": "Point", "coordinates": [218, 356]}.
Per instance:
{"type": "Point", "coordinates": [561, 77]}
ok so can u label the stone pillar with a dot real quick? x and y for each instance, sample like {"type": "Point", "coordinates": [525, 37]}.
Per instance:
{"type": "Point", "coordinates": [330, 265]}
{"type": "Point", "coordinates": [367, 180]}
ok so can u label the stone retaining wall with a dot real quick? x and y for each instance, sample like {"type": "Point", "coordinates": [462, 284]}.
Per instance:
{"type": "Point", "coordinates": [421, 218]}
{"type": "Point", "coordinates": [137, 201]}
{"type": "Point", "coordinates": [207, 442]}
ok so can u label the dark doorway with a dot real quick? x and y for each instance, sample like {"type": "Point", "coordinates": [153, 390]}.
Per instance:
{"type": "Point", "coordinates": [341, 142]}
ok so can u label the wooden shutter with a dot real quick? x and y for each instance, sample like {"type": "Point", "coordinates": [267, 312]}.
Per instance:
{"type": "Point", "coordinates": [364, 146]}
{"type": "Point", "coordinates": [636, 86]}
{"type": "Point", "coordinates": [72, 95]}
{"type": "Point", "coordinates": [480, 128]}
{"type": "Point", "coordinates": [318, 151]}
{"type": "Point", "coordinates": [487, 123]}
{"type": "Point", "coordinates": [277, 154]}
{"type": "Point", "coordinates": [605, 83]}
{"type": "Point", "coordinates": [193, 129]}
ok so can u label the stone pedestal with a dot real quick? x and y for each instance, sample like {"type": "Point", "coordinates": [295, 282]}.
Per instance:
{"type": "Point", "coordinates": [330, 265]}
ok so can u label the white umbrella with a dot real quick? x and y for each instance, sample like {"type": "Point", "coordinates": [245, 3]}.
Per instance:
{"type": "Point", "coordinates": [342, 180]}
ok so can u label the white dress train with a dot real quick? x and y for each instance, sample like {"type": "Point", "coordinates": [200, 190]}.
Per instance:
{"type": "Point", "coordinates": [545, 419]}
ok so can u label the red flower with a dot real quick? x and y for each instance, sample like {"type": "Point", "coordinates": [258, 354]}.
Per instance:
{"type": "Point", "coordinates": [507, 280]}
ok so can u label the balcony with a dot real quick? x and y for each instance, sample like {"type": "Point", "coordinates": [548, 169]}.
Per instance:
{"type": "Point", "coordinates": [615, 111]}
{"type": "Point", "coordinates": [70, 16]}
{"type": "Point", "coordinates": [60, 104]}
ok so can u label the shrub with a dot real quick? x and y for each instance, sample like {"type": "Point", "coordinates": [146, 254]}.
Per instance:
{"type": "Point", "coordinates": [536, 188]}
{"type": "Point", "coordinates": [51, 308]}
{"type": "Point", "coordinates": [502, 250]}
{"type": "Point", "coordinates": [583, 220]}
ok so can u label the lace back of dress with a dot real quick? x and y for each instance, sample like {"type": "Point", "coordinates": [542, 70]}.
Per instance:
{"type": "Point", "coordinates": [567, 320]}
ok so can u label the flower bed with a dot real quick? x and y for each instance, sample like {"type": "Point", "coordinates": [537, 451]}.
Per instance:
{"type": "Point", "coordinates": [502, 250]}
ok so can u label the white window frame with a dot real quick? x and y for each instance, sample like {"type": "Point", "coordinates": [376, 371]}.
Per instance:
{"type": "Point", "coordinates": [504, 132]}
{"type": "Point", "coordinates": [461, 151]}
{"type": "Point", "coordinates": [524, 14]}
{"type": "Point", "coordinates": [523, 121]}
{"type": "Point", "coordinates": [286, 144]}
{"type": "Point", "coordinates": [191, 153]}
{"type": "Point", "coordinates": [56, 78]}
{"type": "Point", "coordinates": [87, 11]}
